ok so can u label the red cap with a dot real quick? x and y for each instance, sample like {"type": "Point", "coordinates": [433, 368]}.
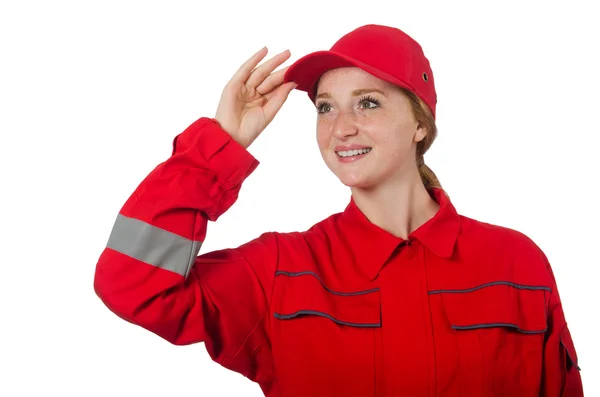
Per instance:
{"type": "Point", "coordinates": [385, 52]}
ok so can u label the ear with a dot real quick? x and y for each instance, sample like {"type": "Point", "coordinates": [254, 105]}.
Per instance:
{"type": "Point", "coordinates": [420, 133]}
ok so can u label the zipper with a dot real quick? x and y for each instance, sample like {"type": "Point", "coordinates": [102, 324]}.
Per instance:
{"type": "Point", "coordinates": [430, 348]}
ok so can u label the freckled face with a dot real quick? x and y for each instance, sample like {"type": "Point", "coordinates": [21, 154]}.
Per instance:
{"type": "Point", "coordinates": [366, 131]}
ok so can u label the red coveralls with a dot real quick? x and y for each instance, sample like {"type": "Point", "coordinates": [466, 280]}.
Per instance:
{"type": "Point", "coordinates": [460, 308]}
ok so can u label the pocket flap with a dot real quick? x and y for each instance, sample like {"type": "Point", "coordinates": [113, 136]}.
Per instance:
{"type": "Point", "coordinates": [305, 294]}
{"type": "Point", "coordinates": [522, 308]}
{"type": "Point", "coordinates": [567, 342]}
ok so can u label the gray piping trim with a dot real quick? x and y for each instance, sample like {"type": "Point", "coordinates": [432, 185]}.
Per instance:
{"type": "Point", "coordinates": [570, 358]}
{"type": "Point", "coordinates": [321, 314]}
{"type": "Point", "coordinates": [296, 274]}
{"type": "Point", "coordinates": [152, 245]}
{"type": "Point", "coordinates": [519, 286]}
{"type": "Point", "coordinates": [493, 325]}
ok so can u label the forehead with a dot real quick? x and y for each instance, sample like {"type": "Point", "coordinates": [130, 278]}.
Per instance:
{"type": "Point", "coordinates": [349, 78]}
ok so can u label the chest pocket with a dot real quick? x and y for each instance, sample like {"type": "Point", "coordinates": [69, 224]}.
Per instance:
{"type": "Point", "coordinates": [499, 331]}
{"type": "Point", "coordinates": [324, 339]}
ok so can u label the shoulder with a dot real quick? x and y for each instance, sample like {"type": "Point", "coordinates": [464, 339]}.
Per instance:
{"type": "Point", "coordinates": [321, 232]}
{"type": "Point", "coordinates": [491, 234]}
{"type": "Point", "coordinates": [316, 238]}
{"type": "Point", "coordinates": [504, 248]}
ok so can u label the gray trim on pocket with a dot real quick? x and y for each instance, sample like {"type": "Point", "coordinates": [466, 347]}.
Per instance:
{"type": "Point", "coordinates": [321, 314]}
{"type": "Point", "coordinates": [518, 286]}
{"type": "Point", "coordinates": [309, 273]}
{"type": "Point", "coordinates": [494, 325]}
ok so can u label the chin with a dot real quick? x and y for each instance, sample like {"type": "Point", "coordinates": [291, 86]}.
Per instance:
{"type": "Point", "coordinates": [353, 177]}
{"type": "Point", "coordinates": [355, 181]}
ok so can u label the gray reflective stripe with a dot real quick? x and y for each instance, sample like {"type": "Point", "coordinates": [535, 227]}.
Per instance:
{"type": "Point", "coordinates": [152, 245]}
{"type": "Point", "coordinates": [309, 273]}
{"type": "Point", "coordinates": [519, 286]}
{"type": "Point", "coordinates": [321, 314]}
{"type": "Point", "coordinates": [494, 325]}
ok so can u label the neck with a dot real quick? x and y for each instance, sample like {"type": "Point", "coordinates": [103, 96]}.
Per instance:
{"type": "Point", "coordinates": [399, 208]}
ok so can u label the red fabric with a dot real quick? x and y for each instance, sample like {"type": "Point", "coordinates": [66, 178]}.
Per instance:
{"type": "Point", "coordinates": [383, 51]}
{"type": "Point", "coordinates": [463, 308]}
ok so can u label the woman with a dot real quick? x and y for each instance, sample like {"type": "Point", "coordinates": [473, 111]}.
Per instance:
{"type": "Point", "coordinates": [396, 295]}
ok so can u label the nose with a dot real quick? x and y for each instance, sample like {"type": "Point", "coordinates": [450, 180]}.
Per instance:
{"type": "Point", "coordinates": [345, 125]}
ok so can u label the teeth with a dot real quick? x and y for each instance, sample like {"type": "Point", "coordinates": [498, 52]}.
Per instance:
{"type": "Point", "coordinates": [356, 152]}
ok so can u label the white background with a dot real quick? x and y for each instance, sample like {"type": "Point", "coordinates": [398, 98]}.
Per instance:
{"type": "Point", "coordinates": [92, 94]}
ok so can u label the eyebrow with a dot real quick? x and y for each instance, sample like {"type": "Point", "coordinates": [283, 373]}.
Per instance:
{"type": "Point", "coordinates": [354, 93]}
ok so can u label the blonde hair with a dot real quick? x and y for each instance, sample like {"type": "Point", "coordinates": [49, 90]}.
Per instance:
{"type": "Point", "coordinates": [425, 118]}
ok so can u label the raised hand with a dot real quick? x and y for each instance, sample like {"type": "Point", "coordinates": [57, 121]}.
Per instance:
{"type": "Point", "coordinates": [253, 96]}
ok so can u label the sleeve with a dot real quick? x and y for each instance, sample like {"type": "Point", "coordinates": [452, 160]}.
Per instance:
{"type": "Point", "coordinates": [561, 372]}
{"type": "Point", "coordinates": [150, 273]}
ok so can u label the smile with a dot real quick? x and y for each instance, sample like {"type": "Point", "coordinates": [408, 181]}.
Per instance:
{"type": "Point", "coordinates": [352, 153]}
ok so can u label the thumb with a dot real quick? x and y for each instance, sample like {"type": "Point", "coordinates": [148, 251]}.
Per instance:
{"type": "Point", "coordinates": [277, 99]}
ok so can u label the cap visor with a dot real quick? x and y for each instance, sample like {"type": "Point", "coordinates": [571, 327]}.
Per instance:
{"type": "Point", "coordinates": [307, 70]}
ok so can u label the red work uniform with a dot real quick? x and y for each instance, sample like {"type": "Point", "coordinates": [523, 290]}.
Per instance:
{"type": "Point", "coordinates": [460, 308]}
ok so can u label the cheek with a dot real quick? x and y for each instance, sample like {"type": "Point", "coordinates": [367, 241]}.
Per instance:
{"type": "Point", "coordinates": [396, 143]}
{"type": "Point", "coordinates": [322, 138]}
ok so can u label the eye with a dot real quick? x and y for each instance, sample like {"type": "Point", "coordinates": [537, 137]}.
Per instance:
{"type": "Point", "coordinates": [323, 107]}
{"type": "Point", "coordinates": [369, 100]}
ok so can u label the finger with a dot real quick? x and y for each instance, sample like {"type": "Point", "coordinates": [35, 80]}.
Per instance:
{"type": "Point", "coordinates": [276, 99]}
{"type": "Point", "coordinates": [271, 82]}
{"type": "Point", "coordinates": [246, 69]}
{"type": "Point", "coordinates": [264, 70]}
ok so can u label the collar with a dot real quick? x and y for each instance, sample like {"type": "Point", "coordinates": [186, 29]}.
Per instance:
{"type": "Point", "coordinates": [372, 246]}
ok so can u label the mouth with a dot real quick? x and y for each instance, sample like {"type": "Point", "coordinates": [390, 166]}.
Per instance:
{"type": "Point", "coordinates": [348, 154]}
